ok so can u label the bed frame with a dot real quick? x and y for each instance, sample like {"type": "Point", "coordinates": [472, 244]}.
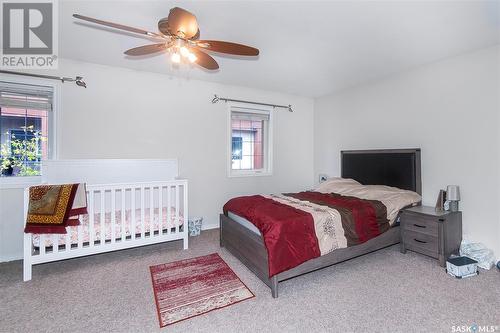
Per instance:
{"type": "Point", "coordinates": [392, 167]}
{"type": "Point", "coordinates": [113, 187]}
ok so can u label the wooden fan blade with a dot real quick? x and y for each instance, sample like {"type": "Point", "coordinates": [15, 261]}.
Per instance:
{"type": "Point", "coordinates": [117, 26]}
{"type": "Point", "coordinates": [181, 23]}
{"type": "Point", "coordinates": [204, 60]}
{"type": "Point", "coordinates": [146, 49]}
{"type": "Point", "coordinates": [228, 47]}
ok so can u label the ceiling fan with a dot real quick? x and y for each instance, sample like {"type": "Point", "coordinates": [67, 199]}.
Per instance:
{"type": "Point", "coordinates": [179, 34]}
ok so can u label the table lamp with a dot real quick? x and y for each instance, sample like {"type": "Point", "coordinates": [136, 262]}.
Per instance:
{"type": "Point", "coordinates": [453, 196]}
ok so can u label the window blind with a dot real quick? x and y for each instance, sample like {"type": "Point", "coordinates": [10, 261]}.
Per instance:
{"type": "Point", "coordinates": [23, 96]}
{"type": "Point", "coordinates": [248, 114]}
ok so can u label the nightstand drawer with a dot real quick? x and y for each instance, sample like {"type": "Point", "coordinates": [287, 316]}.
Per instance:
{"type": "Point", "coordinates": [421, 242]}
{"type": "Point", "coordinates": [420, 223]}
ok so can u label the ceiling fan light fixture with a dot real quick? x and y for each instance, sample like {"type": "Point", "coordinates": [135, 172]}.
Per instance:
{"type": "Point", "coordinates": [191, 57]}
{"type": "Point", "coordinates": [184, 51]}
{"type": "Point", "coordinates": [176, 58]}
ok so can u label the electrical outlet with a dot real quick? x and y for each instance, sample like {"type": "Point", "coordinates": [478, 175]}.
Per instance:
{"type": "Point", "coordinates": [322, 177]}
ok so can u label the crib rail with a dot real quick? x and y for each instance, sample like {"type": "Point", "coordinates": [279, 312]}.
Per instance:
{"type": "Point", "coordinates": [119, 216]}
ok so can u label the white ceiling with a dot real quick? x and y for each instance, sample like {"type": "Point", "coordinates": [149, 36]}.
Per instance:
{"type": "Point", "coordinates": [307, 48]}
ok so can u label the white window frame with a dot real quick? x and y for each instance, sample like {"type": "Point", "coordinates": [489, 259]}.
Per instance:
{"type": "Point", "coordinates": [54, 121]}
{"type": "Point", "coordinates": [268, 155]}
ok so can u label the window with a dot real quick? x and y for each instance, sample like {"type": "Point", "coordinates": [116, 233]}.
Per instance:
{"type": "Point", "coordinates": [250, 140]}
{"type": "Point", "coordinates": [25, 122]}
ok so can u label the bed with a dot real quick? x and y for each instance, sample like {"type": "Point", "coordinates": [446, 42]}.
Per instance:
{"type": "Point", "coordinates": [130, 203]}
{"type": "Point", "coordinates": [398, 168]}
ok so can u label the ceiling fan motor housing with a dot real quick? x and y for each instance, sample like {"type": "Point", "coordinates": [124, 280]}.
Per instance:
{"type": "Point", "coordinates": [163, 26]}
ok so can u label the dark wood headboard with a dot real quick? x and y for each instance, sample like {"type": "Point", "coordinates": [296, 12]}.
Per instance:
{"type": "Point", "coordinates": [392, 167]}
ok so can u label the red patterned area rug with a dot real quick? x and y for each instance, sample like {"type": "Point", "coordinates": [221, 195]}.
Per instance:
{"type": "Point", "coordinates": [191, 287]}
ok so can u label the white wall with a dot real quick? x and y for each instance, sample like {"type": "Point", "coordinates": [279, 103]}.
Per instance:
{"type": "Point", "coordinates": [450, 109]}
{"type": "Point", "coordinates": [132, 114]}
{"type": "Point", "coordinates": [11, 224]}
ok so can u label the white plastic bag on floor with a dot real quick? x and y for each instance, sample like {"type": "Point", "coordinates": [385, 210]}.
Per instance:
{"type": "Point", "coordinates": [485, 257]}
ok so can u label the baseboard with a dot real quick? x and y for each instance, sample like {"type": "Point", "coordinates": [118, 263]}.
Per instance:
{"type": "Point", "coordinates": [11, 258]}
{"type": "Point", "coordinates": [210, 226]}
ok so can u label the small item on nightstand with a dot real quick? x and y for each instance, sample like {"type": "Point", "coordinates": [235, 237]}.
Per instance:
{"type": "Point", "coordinates": [461, 267]}
{"type": "Point", "coordinates": [440, 200]}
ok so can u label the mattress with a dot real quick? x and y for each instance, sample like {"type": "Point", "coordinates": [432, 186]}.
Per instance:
{"type": "Point", "coordinates": [244, 222]}
{"type": "Point", "coordinates": [250, 226]}
{"type": "Point", "coordinates": [150, 225]}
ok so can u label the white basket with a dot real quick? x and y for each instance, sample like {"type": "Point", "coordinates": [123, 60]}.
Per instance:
{"type": "Point", "coordinates": [194, 226]}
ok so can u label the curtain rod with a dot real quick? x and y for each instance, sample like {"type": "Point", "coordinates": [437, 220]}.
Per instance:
{"type": "Point", "coordinates": [78, 80]}
{"type": "Point", "coordinates": [217, 98]}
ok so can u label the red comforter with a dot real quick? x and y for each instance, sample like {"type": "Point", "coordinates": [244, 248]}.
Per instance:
{"type": "Point", "coordinates": [289, 234]}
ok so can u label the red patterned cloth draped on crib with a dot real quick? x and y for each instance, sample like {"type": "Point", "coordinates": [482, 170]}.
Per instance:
{"type": "Point", "coordinates": [54, 207]}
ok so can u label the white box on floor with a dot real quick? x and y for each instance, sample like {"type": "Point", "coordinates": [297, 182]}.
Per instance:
{"type": "Point", "coordinates": [461, 267]}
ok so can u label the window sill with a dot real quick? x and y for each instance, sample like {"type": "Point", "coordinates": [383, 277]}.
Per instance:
{"type": "Point", "coordinates": [249, 174]}
{"type": "Point", "coordinates": [19, 182]}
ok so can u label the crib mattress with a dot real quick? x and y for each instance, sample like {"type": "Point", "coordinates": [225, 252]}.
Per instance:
{"type": "Point", "coordinates": [149, 226]}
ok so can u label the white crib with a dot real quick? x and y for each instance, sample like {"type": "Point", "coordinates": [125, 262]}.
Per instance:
{"type": "Point", "coordinates": [141, 203]}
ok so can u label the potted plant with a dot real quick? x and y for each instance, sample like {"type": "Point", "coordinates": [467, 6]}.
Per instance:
{"type": "Point", "coordinates": [15, 154]}
{"type": "Point", "coordinates": [7, 166]}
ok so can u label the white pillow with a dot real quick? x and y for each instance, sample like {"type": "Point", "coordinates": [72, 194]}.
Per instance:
{"type": "Point", "coordinates": [336, 184]}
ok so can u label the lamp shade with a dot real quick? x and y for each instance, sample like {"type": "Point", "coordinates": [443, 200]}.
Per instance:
{"type": "Point", "coordinates": [453, 193]}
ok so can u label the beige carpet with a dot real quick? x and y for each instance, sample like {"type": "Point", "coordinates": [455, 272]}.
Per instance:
{"type": "Point", "coordinates": [385, 291]}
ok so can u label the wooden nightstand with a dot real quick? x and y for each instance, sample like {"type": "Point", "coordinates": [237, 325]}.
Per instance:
{"type": "Point", "coordinates": [431, 232]}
